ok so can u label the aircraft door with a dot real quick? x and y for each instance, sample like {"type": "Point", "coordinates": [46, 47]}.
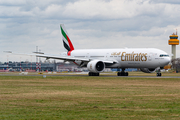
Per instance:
{"type": "Point", "coordinates": [87, 55]}
{"type": "Point", "coordinates": [107, 56]}
{"type": "Point", "coordinates": [150, 56]}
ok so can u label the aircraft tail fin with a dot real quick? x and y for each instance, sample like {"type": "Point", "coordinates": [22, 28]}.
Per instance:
{"type": "Point", "coordinates": [65, 38]}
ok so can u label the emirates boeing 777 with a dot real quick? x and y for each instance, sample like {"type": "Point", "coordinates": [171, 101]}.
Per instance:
{"type": "Point", "coordinates": [96, 60]}
{"type": "Point", "coordinates": [148, 60]}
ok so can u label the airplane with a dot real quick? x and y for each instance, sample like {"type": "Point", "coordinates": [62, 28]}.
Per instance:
{"type": "Point", "coordinates": [96, 60]}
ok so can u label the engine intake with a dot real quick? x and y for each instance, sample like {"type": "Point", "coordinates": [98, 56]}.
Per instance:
{"type": "Point", "coordinates": [96, 66]}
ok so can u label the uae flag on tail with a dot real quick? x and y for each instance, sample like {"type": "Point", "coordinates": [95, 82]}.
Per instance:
{"type": "Point", "coordinates": [66, 41]}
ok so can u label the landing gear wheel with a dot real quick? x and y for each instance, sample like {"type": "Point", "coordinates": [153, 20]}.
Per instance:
{"type": "Point", "coordinates": [119, 74]}
{"type": "Point", "coordinates": [158, 74]}
{"type": "Point", "coordinates": [122, 74]}
{"type": "Point", "coordinates": [93, 74]}
{"type": "Point", "coordinates": [97, 74]}
{"type": "Point", "coordinates": [89, 73]}
{"type": "Point", "coordinates": [126, 73]}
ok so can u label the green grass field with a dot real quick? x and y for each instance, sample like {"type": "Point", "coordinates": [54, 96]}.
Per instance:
{"type": "Point", "coordinates": [28, 97]}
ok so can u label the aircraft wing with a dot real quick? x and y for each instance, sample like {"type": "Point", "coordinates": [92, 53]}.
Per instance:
{"type": "Point", "coordinates": [66, 58]}
{"type": "Point", "coordinates": [69, 58]}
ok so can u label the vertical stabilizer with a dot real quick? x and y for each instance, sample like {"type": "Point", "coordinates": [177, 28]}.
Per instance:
{"type": "Point", "coordinates": [65, 38]}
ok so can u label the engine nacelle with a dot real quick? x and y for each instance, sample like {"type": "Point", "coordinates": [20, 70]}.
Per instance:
{"type": "Point", "coordinates": [148, 70]}
{"type": "Point", "coordinates": [96, 66]}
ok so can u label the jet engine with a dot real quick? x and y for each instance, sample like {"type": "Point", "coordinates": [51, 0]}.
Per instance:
{"type": "Point", "coordinates": [148, 70]}
{"type": "Point", "coordinates": [96, 66]}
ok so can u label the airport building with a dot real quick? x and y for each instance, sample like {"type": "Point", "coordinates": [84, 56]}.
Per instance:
{"type": "Point", "coordinates": [33, 66]}
{"type": "Point", "coordinates": [42, 67]}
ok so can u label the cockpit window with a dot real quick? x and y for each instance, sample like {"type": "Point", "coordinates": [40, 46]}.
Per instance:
{"type": "Point", "coordinates": [162, 55]}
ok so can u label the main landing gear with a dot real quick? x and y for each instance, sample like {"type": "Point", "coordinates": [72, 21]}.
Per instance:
{"type": "Point", "coordinates": [122, 73]}
{"type": "Point", "coordinates": [93, 74]}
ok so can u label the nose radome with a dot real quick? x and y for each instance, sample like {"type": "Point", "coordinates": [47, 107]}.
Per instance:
{"type": "Point", "coordinates": [168, 59]}
{"type": "Point", "coordinates": [165, 61]}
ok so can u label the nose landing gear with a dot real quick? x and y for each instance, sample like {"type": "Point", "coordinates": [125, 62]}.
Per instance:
{"type": "Point", "coordinates": [158, 73]}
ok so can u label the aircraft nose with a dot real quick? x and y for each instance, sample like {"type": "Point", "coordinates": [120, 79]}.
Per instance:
{"type": "Point", "coordinates": [167, 60]}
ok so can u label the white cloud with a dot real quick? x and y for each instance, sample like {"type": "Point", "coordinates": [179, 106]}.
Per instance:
{"type": "Point", "coordinates": [89, 9]}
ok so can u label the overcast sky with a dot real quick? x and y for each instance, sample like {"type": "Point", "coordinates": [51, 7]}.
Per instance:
{"type": "Point", "coordinates": [25, 24]}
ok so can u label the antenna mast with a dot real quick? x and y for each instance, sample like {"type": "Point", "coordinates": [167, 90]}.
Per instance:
{"type": "Point", "coordinates": [176, 31]}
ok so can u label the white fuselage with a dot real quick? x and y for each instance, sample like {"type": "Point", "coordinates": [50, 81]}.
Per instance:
{"type": "Point", "coordinates": [126, 58]}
